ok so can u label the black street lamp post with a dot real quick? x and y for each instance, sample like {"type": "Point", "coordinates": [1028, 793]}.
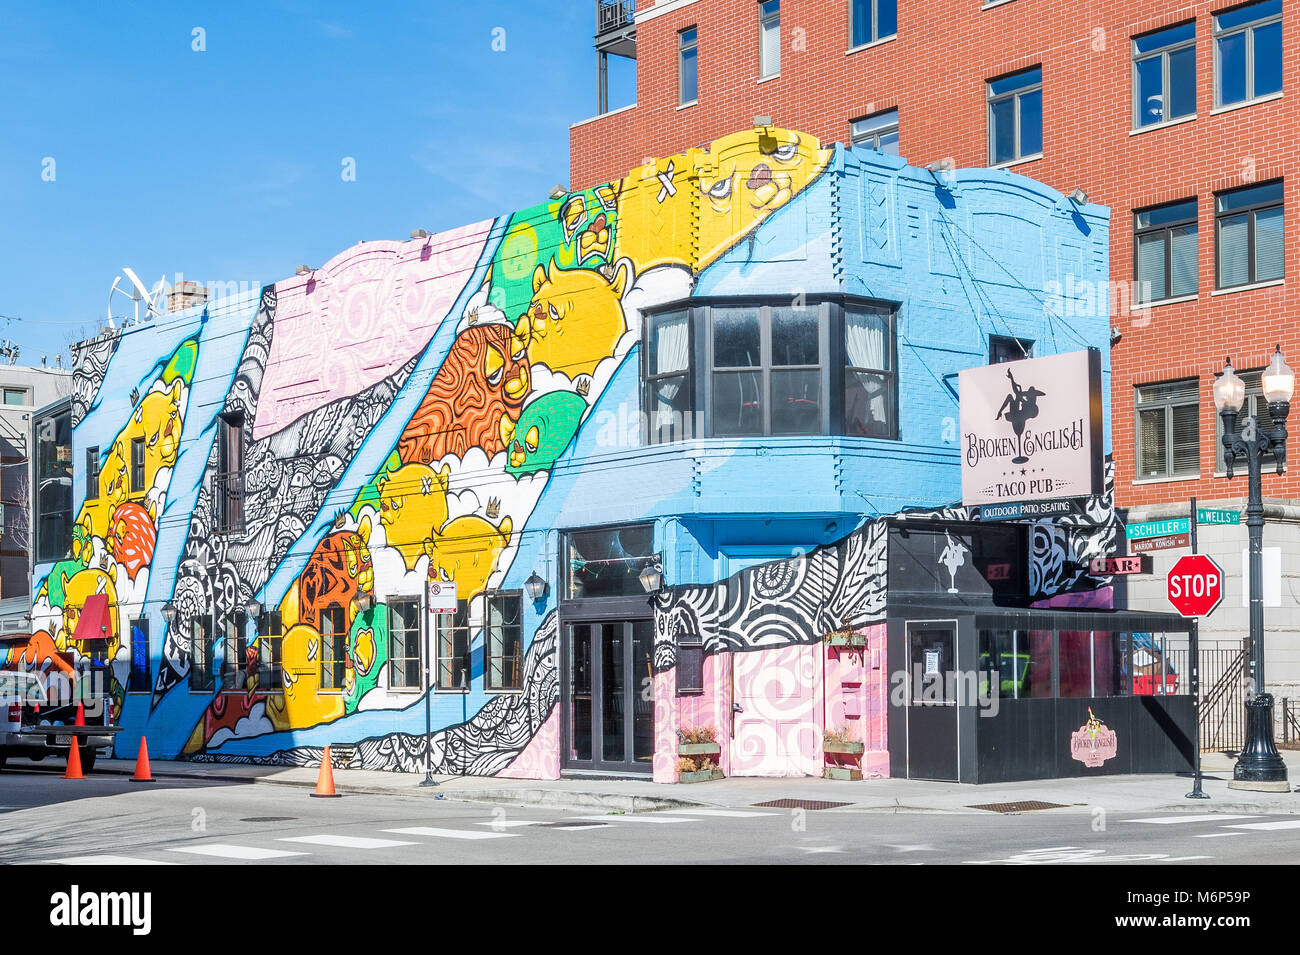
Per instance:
{"type": "Point", "coordinates": [1259, 766]}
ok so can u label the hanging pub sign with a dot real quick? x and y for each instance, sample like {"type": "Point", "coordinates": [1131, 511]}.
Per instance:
{"type": "Point", "coordinates": [1031, 435]}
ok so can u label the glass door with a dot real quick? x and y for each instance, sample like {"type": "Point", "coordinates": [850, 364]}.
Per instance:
{"type": "Point", "coordinates": [609, 695]}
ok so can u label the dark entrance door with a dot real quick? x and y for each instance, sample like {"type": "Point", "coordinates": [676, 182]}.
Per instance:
{"type": "Point", "coordinates": [933, 689]}
{"type": "Point", "coordinates": [609, 695]}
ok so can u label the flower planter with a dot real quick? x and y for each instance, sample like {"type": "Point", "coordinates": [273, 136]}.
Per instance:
{"type": "Point", "coordinates": [701, 776]}
{"type": "Point", "coordinates": [835, 746]}
{"type": "Point", "coordinates": [847, 640]}
{"type": "Point", "coordinates": [698, 749]}
{"type": "Point", "coordinates": [841, 772]}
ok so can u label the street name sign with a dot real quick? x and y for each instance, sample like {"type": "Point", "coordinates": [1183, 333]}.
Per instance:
{"type": "Point", "coordinates": [1177, 525]}
{"type": "Point", "coordinates": [1207, 515]}
{"type": "Point", "coordinates": [1147, 544]}
{"type": "Point", "coordinates": [1195, 585]}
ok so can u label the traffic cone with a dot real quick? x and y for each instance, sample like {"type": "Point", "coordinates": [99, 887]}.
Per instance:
{"type": "Point", "coordinates": [74, 762]}
{"type": "Point", "coordinates": [81, 716]}
{"type": "Point", "coordinates": [325, 781]}
{"type": "Point", "coordinates": [142, 773]}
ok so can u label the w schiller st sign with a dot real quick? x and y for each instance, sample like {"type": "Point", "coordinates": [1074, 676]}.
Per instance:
{"type": "Point", "coordinates": [1031, 430]}
{"type": "Point", "coordinates": [1195, 585]}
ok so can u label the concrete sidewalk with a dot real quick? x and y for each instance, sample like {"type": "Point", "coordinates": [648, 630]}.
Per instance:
{"type": "Point", "coordinates": [1111, 793]}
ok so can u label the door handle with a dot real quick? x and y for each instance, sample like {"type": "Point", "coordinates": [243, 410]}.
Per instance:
{"type": "Point", "coordinates": [737, 708]}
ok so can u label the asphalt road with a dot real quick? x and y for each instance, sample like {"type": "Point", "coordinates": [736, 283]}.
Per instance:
{"type": "Point", "coordinates": [111, 820]}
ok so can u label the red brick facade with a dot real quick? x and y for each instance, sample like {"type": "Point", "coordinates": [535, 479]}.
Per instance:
{"type": "Point", "coordinates": [934, 71]}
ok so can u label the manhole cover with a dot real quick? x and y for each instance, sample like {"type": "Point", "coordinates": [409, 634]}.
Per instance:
{"type": "Point", "coordinates": [1028, 805]}
{"type": "Point", "coordinates": [269, 819]}
{"type": "Point", "coordinates": [800, 804]}
{"type": "Point", "coordinates": [569, 825]}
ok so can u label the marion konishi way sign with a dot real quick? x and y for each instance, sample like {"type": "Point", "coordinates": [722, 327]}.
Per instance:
{"type": "Point", "coordinates": [1195, 585]}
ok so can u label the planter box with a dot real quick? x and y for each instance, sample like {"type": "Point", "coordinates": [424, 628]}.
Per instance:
{"type": "Point", "coordinates": [703, 776]}
{"type": "Point", "coordinates": [852, 749]}
{"type": "Point", "coordinates": [841, 772]}
{"type": "Point", "coordinates": [698, 749]}
{"type": "Point", "coordinates": [847, 639]}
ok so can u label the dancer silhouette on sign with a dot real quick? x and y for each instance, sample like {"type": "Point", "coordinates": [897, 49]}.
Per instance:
{"type": "Point", "coordinates": [1020, 406]}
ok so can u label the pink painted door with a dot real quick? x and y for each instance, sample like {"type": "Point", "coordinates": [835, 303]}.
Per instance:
{"type": "Point", "coordinates": [777, 731]}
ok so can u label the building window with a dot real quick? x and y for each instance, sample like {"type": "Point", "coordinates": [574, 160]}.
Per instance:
{"type": "Point", "coordinates": [234, 660]}
{"type": "Point", "coordinates": [1003, 348]}
{"type": "Point", "coordinates": [333, 647]}
{"type": "Point", "coordinates": [228, 482]}
{"type": "Point", "coordinates": [505, 641]}
{"type": "Point", "coordinates": [92, 477]}
{"type": "Point", "coordinates": [608, 561]}
{"type": "Point", "coordinates": [269, 639]}
{"type": "Point", "coordinates": [688, 67]}
{"type": "Point", "coordinates": [15, 396]}
{"type": "Point", "coordinates": [202, 679]}
{"type": "Point", "coordinates": [137, 465]}
{"type": "Point", "coordinates": [1164, 252]}
{"type": "Point", "coordinates": [878, 132]}
{"type": "Point", "coordinates": [1168, 430]}
{"type": "Point", "coordinates": [1015, 116]}
{"type": "Point", "coordinates": [452, 644]}
{"type": "Point", "coordinates": [871, 20]}
{"type": "Point", "coordinates": [54, 485]}
{"type": "Point", "coordinates": [1247, 53]}
{"type": "Point", "coordinates": [769, 39]}
{"type": "Point", "coordinates": [1164, 75]}
{"type": "Point", "coordinates": [753, 370]}
{"type": "Point", "coordinates": [404, 643]}
{"type": "Point", "coordinates": [139, 680]}
{"type": "Point", "coordinates": [1248, 235]}
{"type": "Point", "coordinates": [1255, 406]}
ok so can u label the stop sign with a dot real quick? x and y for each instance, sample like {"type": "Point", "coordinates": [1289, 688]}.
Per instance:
{"type": "Point", "coordinates": [1195, 585]}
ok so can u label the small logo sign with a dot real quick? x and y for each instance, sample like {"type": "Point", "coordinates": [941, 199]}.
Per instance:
{"type": "Point", "coordinates": [952, 557]}
{"type": "Point", "coordinates": [1093, 743]}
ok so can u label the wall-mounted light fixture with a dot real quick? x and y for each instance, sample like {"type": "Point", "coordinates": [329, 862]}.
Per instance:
{"type": "Point", "coordinates": [652, 577]}
{"type": "Point", "coordinates": [1078, 196]}
{"type": "Point", "coordinates": [304, 270]}
{"type": "Point", "coordinates": [169, 612]}
{"type": "Point", "coordinates": [535, 586]}
{"type": "Point", "coordinates": [419, 234]}
{"type": "Point", "coordinates": [253, 608]}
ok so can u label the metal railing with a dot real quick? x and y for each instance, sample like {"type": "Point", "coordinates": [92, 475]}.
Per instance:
{"type": "Point", "coordinates": [1288, 711]}
{"type": "Point", "coordinates": [614, 15]}
{"type": "Point", "coordinates": [1223, 701]}
{"type": "Point", "coordinates": [228, 503]}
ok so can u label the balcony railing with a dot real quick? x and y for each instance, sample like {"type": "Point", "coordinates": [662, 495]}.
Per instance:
{"type": "Point", "coordinates": [614, 15]}
{"type": "Point", "coordinates": [228, 502]}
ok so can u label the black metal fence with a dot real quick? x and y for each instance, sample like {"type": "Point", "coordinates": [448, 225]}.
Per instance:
{"type": "Point", "coordinates": [228, 502]}
{"type": "Point", "coordinates": [614, 14]}
{"type": "Point", "coordinates": [1224, 671]}
{"type": "Point", "coordinates": [1287, 712]}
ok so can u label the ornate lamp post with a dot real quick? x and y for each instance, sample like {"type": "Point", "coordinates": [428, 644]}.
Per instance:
{"type": "Point", "coordinates": [1259, 766]}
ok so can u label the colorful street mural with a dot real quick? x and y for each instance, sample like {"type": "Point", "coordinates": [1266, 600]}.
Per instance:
{"type": "Point", "coordinates": [398, 416]}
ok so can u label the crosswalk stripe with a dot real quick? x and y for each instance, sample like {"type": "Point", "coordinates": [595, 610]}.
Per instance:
{"type": "Point", "coordinates": [722, 813]}
{"type": "Point", "coordinates": [224, 851]}
{"type": "Point", "coordinates": [1218, 835]}
{"type": "Point", "coordinates": [510, 823]}
{"type": "Point", "coordinates": [109, 860]}
{"type": "Point", "coordinates": [661, 820]}
{"type": "Point", "coordinates": [346, 842]}
{"type": "Point", "coordinates": [449, 833]}
{"type": "Point", "coordinates": [1281, 824]}
{"type": "Point", "coordinates": [1177, 820]}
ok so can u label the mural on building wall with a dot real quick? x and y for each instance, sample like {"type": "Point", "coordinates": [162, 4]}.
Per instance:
{"type": "Point", "coordinates": [398, 416]}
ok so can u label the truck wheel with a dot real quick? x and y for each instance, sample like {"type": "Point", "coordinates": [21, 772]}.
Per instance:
{"type": "Point", "coordinates": [88, 760]}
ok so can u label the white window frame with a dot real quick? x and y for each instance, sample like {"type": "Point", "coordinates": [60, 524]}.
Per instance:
{"type": "Point", "coordinates": [769, 17]}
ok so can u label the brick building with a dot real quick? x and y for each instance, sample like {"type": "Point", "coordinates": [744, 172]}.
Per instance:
{"type": "Point", "coordinates": [1179, 116]}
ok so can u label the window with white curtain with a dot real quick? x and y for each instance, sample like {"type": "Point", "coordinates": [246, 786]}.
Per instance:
{"type": "Point", "coordinates": [769, 39]}
{"type": "Point", "coordinates": [1164, 251]}
{"type": "Point", "coordinates": [750, 369]}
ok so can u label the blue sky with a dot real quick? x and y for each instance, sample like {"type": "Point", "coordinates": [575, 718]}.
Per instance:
{"type": "Point", "coordinates": [226, 164]}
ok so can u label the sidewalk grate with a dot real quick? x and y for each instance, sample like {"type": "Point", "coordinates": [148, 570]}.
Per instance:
{"type": "Point", "coordinates": [1028, 805]}
{"type": "Point", "coordinates": [799, 804]}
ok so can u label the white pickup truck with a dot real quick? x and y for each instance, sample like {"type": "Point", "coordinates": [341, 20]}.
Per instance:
{"type": "Point", "coordinates": [34, 726]}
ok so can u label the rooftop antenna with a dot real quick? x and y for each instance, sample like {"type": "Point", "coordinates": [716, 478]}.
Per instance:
{"type": "Point", "coordinates": [10, 351]}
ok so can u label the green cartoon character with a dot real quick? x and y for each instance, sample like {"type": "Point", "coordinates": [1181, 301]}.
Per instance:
{"type": "Point", "coordinates": [543, 431]}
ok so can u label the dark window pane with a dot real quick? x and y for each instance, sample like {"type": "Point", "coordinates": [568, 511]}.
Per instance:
{"type": "Point", "coordinates": [1163, 38]}
{"type": "Point", "coordinates": [737, 403]}
{"type": "Point", "coordinates": [736, 338]}
{"type": "Point", "coordinates": [795, 336]}
{"type": "Point", "coordinates": [1182, 83]}
{"type": "Point", "coordinates": [868, 405]}
{"type": "Point", "coordinates": [1151, 442]}
{"type": "Point", "coordinates": [1002, 115]}
{"type": "Point", "coordinates": [670, 410]}
{"type": "Point", "coordinates": [1268, 59]}
{"type": "Point", "coordinates": [1150, 91]}
{"type": "Point", "coordinates": [1163, 215]}
{"type": "Point", "coordinates": [689, 89]}
{"type": "Point", "coordinates": [1031, 123]}
{"type": "Point", "coordinates": [887, 17]}
{"type": "Point", "coordinates": [1232, 69]}
{"type": "Point", "coordinates": [608, 562]}
{"type": "Point", "coordinates": [1250, 196]}
{"type": "Point", "coordinates": [796, 402]}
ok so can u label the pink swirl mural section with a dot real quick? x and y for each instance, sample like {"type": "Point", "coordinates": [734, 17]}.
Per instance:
{"type": "Point", "coordinates": [358, 318]}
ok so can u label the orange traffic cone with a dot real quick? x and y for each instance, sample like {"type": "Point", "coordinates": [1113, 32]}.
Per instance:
{"type": "Point", "coordinates": [74, 762]}
{"type": "Point", "coordinates": [142, 773]}
{"type": "Point", "coordinates": [81, 716]}
{"type": "Point", "coordinates": [325, 781]}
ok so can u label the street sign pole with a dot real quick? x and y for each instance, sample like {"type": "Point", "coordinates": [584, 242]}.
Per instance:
{"type": "Point", "coordinates": [1195, 655]}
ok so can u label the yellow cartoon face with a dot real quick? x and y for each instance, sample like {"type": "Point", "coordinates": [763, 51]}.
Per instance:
{"type": "Point", "coordinates": [575, 318]}
{"type": "Point", "coordinates": [301, 704]}
{"type": "Point", "coordinates": [737, 183]}
{"type": "Point", "coordinates": [75, 591]}
{"type": "Point", "coordinates": [467, 551]}
{"type": "Point", "coordinates": [412, 506]}
{"type": "Point", "coordinates": [159, 422]}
